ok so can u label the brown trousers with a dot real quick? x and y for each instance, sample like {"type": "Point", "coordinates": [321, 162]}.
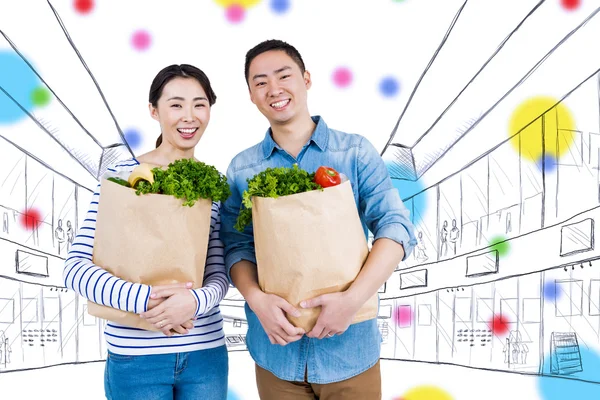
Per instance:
{"type": "Point", "coordinates": [366, 386]}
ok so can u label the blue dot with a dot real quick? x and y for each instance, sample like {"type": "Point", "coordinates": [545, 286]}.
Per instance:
{"type": "Point", "coordinates": [417, 204]}
{"type": "Point", "coordinates": [389, 86]}
{"type": "Point", "coordinates": [549, 164]}
{"type": "Point", "coordinates": [231, 395]}
{"type": "Point", "coordinates": [18, 79]}
{"type": "Point", "coordinates": [559, 389]}
{"type": "Point", "coordinates": [550, 292]}
{"type": "Point", "coordinates": [133, 138]}
{"type": "Point", "coordinates": [280, 6]}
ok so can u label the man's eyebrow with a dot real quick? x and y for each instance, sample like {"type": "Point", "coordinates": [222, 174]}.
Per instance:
{"type": "Point", "coordinates": [275, 72]}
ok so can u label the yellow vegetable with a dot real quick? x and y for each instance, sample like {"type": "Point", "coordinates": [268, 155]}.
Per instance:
{"type": "Point", "coordinates": [141, 172]}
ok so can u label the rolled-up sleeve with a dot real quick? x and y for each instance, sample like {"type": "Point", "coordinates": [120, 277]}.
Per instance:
{"type": "Point", "coordinates": [238, 245]}
{"type": "Point", "coordinates": [384, 212]}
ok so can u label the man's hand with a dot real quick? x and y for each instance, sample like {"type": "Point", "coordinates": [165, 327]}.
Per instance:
{"type": "Point", "coordinates": [171, 307]}
{"type": "Point", "coordinates": [270, 310]}
{"type": "Point", "coordinates": [337, 312]}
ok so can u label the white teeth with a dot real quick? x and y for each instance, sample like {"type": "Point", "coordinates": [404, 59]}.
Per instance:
{"type": "Point", "coordinates": [280, 104]}
{"type": "Point", "coordinates": [188, 131]}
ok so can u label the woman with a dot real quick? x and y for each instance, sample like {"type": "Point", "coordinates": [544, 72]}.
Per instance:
{"type": "Point", "coordinates": [160, 365]}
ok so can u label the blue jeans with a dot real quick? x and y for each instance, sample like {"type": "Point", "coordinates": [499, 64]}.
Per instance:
{"type": "Point", "coordinates": [179, 376]}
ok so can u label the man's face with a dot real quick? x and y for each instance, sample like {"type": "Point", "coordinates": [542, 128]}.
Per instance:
{"type": "Point", "coordinates": [277, 87]}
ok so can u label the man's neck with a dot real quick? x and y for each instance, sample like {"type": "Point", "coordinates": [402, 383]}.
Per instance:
{"type": "Point", "coordinates": [293, 135]}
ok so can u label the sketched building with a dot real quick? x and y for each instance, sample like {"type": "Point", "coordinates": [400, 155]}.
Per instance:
{"type": "Point", "coordinates": [506, 275]}
{"type": "Point", "coordinates": [41, 322]}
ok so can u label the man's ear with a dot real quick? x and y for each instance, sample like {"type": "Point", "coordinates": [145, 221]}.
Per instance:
{"type": "Point", "coordinates": [307, 80]}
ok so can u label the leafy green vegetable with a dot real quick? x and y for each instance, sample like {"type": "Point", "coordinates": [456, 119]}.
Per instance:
{"type": "Point", "coordinates": [189, 180]}
{"type": "Point", "coordinates": [119, 181]}
{"type": "Point", "coordinates": [274, 182]}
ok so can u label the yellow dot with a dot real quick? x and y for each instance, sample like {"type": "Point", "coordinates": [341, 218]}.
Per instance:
{"type": "Point", "coordinates": [558, 128]}
{"type": "Point", "coordinates": [426, 393]}
{"type": "Point", "coordinates": [243, 3]}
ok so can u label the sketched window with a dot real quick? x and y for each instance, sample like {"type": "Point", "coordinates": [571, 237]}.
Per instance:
{"type": "Point", "coordinates": [7, 311]}
{"type": "Point", "coordinates": [237, 323]}
{"type": "Point", "coordinates": [29, 310]}
{"type": "Point", "coordinates": [569, 298]}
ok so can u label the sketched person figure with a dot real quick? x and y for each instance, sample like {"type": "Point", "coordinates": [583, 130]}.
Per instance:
{"type": "Point", "coordinates": [144, 365]}
{"type": "Point", "coordinates": [420, 254]}
{"type": "Point", "coordinates": [454, 234]}
{"type": "Point", "coordinates": [444, 240]}
{"type": "Point", "coordinates": [59, 235]}
{"type": "Point", "coordinates": [5, 350]}
{"type": "Point", "coordinates": [335, 360]}
{"type": "Point", "coordinates": [70, 235]}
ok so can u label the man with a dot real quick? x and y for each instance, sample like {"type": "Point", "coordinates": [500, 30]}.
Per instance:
{"type": "Point", "coordinates": [335, 360]}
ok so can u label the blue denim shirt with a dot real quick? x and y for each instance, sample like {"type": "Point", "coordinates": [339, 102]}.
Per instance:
{"type": "Point", "coordinates": [381, 211]}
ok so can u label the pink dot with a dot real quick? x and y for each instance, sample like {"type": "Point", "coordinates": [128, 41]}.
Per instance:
{"type": "Point", "coordinates": [342, 77]}
{"type": "Point", "coordinates": [141, 40]}
{"type": "Point", "coordinates": [235, 13]}
{"type": "Point", "coordinates": [403, 316]}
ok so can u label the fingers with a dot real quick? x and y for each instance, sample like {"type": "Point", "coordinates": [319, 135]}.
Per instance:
{"type": "Point", "coordinates": [272, 339]}
{"type": "Point", "coordinates": [279, 340]}
{"type": "Point", "coordinates": [163, 293]}
{"type": "Point", "coordinates": [311, 303]}
{"type": "Point", "coordinates": [318, 330]}
{"type": "Point", "coordinates": [158, 317]}
{"type": "Point", "coordinates": [181, 330]}
{"type": "Point", "coordinates": [188, 324]}
{"type": "Point", "coordinates": [288, 308]}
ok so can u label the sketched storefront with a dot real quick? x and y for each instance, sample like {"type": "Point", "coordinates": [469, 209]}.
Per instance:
{"type": "Point", "coordinates": [516, 287]}
{"type": "Point", "coordinates": [41, 322]}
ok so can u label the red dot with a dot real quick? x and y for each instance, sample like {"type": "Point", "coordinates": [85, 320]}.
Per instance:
{"type": "Point", "coordinates": [83, 6]}
{"type": "Point", "coordinates": [342, 77]}
{"type": "Point", "coordinates": [499, 325]}
{"type": "Point", "coordinates": [570, 4]}
{"type": "Point", "coordinates": [30, 219]}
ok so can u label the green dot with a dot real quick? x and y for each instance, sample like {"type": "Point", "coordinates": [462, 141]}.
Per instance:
{"type": "Point", "coordinates": [40, 96]}
{"type": "Point", "coordinates": [500, 244]}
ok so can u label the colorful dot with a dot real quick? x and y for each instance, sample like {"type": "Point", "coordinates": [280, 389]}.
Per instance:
{"type": "Point", "coordinates": [549, 164]}
{"type": "Point", "coordinates": [342, 77]}
{"type": "Point", "coordinates": [83, 6]}
{"type": "Point", "coordinates": [141, 40]}
{"type": "Point", "coordinates": [570, 4]}
{"type": "Point", "coordinates": [30, 219]}
{"type": "Point", "coordinates": [426, 392]}
{"type": "Point", "coordinates": [133, 138]}
{"type": "Point", "coordinates": [500, 244]}
{"type": "Point", "coordinates": [550, 292]}
{"type": "Point", "coordinates": [551, 388]}
{"type": "Point", "coordinates": [19, 81]}
{"type": "Point", "coordinates": [402, 316]}
{"type": "Point", "coordinates": [389, 86]}
{"type": "Point", "coordinates": [243, 3]}
{"type": "Point", "coordinates": [40, 96]}
{"type": "Point", "coordinates": [280, 6]}
{"type": "Point", "coordinates": [527, 120]}
{"type": "Point", "coordinates": [235, 13]}
{"type": "Point", "coordinates": [231, 395]}
{"type": "Point", "coordinates": [407, 189]}
{"type": "Point", "coordinates": [499, 325]}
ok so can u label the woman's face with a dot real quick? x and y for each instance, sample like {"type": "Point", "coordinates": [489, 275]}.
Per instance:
{"type": "Point", "coordinates": [183, 112]}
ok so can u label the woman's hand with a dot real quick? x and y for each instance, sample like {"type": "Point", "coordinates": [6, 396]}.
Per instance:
{"type": "Point", "coordinates": [171, 307]}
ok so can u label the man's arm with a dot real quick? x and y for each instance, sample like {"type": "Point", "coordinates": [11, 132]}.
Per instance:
{"type": "Point", "coordinates": [394, 239]}
{"type": "Point", "coordinates": [240, 262]}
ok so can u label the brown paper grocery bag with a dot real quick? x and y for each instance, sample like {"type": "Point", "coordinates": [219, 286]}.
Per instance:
{"type": "Point", "coordinates": [151, 239]}
{"type": "Point", "coordinates": [309, 244]}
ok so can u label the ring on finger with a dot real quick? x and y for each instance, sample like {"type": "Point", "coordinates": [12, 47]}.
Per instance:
{"type": "Point", "coordinates": [161, 324]}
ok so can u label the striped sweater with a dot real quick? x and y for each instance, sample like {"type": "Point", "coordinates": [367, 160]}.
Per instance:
{"type": "Point", "coordinates": [98, 285]}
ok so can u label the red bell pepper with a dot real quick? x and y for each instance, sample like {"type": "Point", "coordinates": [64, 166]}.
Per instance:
{"type": "Point", "coordinates": [327, 177]}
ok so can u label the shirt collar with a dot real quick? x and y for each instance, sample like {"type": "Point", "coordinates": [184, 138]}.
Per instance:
{"type": "Point", "coordinates": [319, 137]}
